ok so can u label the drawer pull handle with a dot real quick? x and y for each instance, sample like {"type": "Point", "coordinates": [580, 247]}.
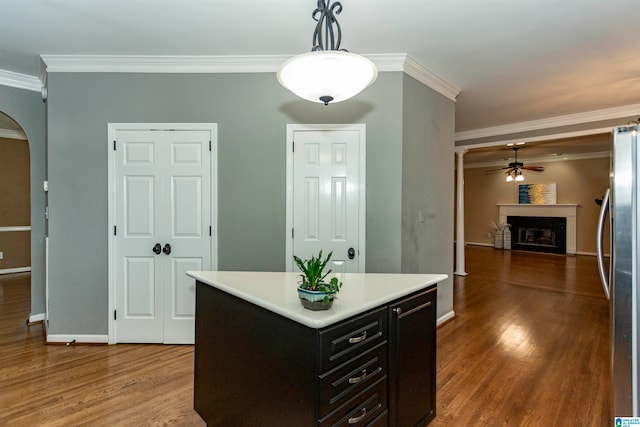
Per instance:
{"type": "Point", "coordinates": [354, 420]}
{"type": "Point", "coordinates": [355, 340]}
{"type": "Point", "coordinates": [356, 380]}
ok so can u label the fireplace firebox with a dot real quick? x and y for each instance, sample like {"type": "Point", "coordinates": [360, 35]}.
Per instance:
{"type": "Point", "coordinates": [538, 233]}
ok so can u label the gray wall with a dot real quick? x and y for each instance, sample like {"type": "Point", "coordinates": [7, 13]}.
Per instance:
{"type": "Point", "coordinates": [28, 110]}
{"type": "Point", "coordinates": [252, 111]}
{"type": "Point", "coordinates": [427, 186]}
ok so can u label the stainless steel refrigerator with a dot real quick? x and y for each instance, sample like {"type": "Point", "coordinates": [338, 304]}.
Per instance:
{"type": "Point", "coordinates": [620, 276]}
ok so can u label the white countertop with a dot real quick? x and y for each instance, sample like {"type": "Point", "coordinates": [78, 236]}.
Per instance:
{"type": "Point", "coordinates": [276, 291]}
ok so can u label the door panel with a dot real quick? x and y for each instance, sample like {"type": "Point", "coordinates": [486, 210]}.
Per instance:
{"type": "Point", "coordinates": [137, 268]}
{"type": "Point", "coordinates": [326, 187]}
{"type": "Point", "coordinates": [189, 204]}
{"type": "Point", "coordinates": [187, 207]}
{"type": "Point", "coordinates": [338, 209]}
{"type": "Point", "coordinates": [184, 289]}
{"type": "Point", "coordinates": [139, 206]}
{"type": "Point", "coordinates": [139, 288]}
{"type": "Point", "coordinates": [311, 210]}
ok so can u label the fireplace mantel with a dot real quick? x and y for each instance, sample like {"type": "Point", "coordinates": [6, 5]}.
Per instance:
{"type": "Point", "coordinates": [565, 210]}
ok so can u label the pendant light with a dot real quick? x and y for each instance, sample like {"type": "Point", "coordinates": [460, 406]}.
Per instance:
{"type": "Point", "coordinates": [327, 73]}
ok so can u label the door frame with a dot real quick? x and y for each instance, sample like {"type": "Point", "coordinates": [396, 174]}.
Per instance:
{"type": "Point", "coordinates": [112, 130]}
{"type": "Point", "coordinates": [362, 187]}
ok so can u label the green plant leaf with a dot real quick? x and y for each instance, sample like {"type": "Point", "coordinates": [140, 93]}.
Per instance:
{"type": "Point", "coordinates": [313, 274]}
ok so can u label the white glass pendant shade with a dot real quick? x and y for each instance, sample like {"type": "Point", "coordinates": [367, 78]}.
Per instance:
{"type": "Point", "coordinates": [509, 178]}
{"type": "Point", "coordinates": [327, 75]}
{"type": "Point", "coordinates": [520, 177]}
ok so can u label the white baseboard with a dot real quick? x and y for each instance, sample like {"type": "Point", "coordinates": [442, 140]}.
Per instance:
{"type": "Point", "coordinates": [79, 339]}
{"type": "Point", "coordinates": [491, 245]}
{"type": "Point", "coordinates": [33, 318]}
{"type": "Point", "coordinates": [15, 270]}
{"type": "Point", "coordinates": [445, 317]}
{"type": "Point", "coordinates": [479, 244]}
{"type": "Point", "coordinates": [591, 254]}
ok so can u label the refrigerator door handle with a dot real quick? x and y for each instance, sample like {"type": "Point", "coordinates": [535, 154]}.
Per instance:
{"type": "Point", "coordinates": [601, 223]}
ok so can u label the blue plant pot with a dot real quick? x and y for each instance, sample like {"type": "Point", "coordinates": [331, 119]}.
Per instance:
{"type": "Point", "coordinates": [314, 300]}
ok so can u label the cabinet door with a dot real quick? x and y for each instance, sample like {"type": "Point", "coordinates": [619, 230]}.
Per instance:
{"type": "Point", "coordinates": [412, 360]}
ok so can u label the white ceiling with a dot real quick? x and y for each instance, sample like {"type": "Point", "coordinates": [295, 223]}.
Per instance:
{"type": "Point", "coordinates": [514, 61]}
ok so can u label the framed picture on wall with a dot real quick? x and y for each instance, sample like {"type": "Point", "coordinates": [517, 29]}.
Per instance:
{"type": "Point", "coordinates": [537, 194]}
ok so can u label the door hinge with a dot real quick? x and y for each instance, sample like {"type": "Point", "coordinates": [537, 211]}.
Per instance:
{"type": "Point", "coordinates": [115, 230]}
{"type": "Point", "coordinates": [292, 233]}
{"type": "Point", "coordinates": [209, 145]}
{"type": "Point", "coordinates": [114, 145]}
{"type": "Point", "coordinates": [210, 231]}
{"type": "Point", "coordinates": [293, 146]}
{"type": "Point", "coordinates": [115, 314]}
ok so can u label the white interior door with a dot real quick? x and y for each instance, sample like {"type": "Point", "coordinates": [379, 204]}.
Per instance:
{"type": "Point", "coordinates": [163, 218]}
{"type": "Point", "coordinates": [328, 196]}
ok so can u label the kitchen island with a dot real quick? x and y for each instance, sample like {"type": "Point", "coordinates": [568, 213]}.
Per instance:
{"type": "Point", "coordinates": [261, 359]}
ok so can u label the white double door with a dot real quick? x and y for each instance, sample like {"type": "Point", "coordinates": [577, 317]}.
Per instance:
{"type": "Point", "coordinates": [327, 192]}
{"type": "Point", "coordinates": [163, 218]}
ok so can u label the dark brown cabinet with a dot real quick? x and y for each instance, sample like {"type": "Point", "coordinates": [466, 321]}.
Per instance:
{"type": "Point", "coordinates": [254, 367]}
{"type": "Point", "coordinates": [412, 357]}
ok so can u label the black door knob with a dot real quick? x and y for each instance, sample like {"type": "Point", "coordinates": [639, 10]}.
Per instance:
{"type": "Point", "coordinates": [167, 249]}
{"type": "Point", "coordinates": [157, 248]}
{"type": "Point", "coordinates": [351, 253]}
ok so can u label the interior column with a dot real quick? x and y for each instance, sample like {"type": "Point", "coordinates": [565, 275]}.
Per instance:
{"type": "Point", "coordinates": [460, 267]}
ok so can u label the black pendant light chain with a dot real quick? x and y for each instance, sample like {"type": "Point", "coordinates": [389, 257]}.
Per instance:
{"type": "Point", "coordinates": [325, 37]}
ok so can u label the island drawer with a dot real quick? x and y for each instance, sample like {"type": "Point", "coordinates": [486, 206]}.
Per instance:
{"type": "Point", "coordinates": [363, 410]}
{"type": "Point", "coordinates": [344, 382]}
{"type": "Point", "coordinates": [352, 337]}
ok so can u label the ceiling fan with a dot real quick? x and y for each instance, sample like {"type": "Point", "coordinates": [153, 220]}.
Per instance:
{"type": "Point", "coordinates": [515, 168]}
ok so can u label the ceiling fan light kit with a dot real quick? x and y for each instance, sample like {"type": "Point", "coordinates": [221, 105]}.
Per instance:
{"type": "Point", "coordinates": [327, 73]}
{"type": "Point", "coordinates": [515, 168]}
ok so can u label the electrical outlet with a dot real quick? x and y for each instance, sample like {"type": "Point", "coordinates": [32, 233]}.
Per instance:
{"type": "Point", "coordinates": [1, 255]}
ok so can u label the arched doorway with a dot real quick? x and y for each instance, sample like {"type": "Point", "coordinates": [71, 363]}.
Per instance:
{"type": "Point", "coordinates": [15, 201]}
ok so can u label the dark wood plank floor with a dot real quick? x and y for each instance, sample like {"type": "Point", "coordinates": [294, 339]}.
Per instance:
{"type": "Point", "coordinates": [119, 385]}
{"type": "Point", "coordinates": [529, 347]}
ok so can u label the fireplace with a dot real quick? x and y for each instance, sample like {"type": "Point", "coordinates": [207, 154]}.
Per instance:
{"type": "Point", "coordinates": [566, 211]}
{"type": "Point", "coordinates": [539, 234]}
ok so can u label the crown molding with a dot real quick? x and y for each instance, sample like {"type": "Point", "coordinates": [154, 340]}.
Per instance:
{"type": "Point", "coordinates": [552, 122]}
{"type": "Point", "coordinates": [406, 63]}
{"type": "Point", "coordinates": [12, 134]}
{"type": "Point", "coordinates": [187, 64]}
{"type": "Point", "coordinates": [20, 81]}
{"type": "Point", "coordinates": [162, 63]}
{"type": "Point", "coordinates": [227, 64]}
{"type": "Point", "coordinates": [562, 158]}
{"type": "Point", "coordinates": [533, 139]}
{"type": "Point", "coordinates": [430, 79]}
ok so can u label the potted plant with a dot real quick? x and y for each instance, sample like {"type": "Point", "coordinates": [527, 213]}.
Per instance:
{"type": "Point", "coordinates": [314, 292]}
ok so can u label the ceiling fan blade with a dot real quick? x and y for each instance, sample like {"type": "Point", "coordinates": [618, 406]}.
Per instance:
{"type": "Point", "coordinates": [534, 168]}
{"type": "Point", "coordinates": [497, 170]}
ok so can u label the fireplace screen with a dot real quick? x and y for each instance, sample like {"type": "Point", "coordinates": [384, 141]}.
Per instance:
{"type": "Point", "coordinates": [540, 234]}
{"type": "Point", "coordinates": [536, 236]}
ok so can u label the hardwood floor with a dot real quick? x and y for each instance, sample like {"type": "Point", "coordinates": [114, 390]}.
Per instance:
{"type": "Point", "coordinates": [528, 347]}
{"type": "Point", "coordinates": [53, 385]}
